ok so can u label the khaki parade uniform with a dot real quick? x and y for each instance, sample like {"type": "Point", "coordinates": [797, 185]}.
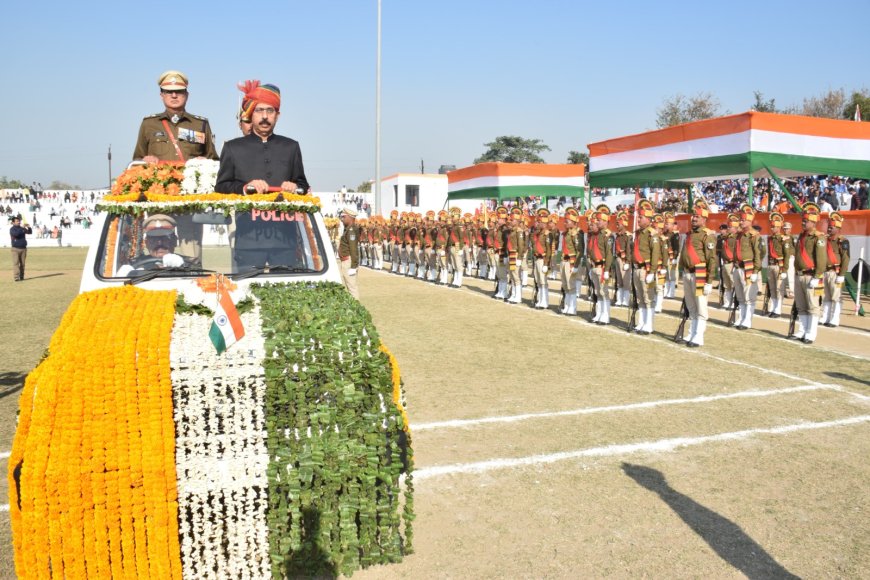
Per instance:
{"type": "Point", "coordinates": [621, 251]}
{"type": "Point", "coordinates": [672, 243]}
{"type": "Point", "coordinates": [378, 246]}
{"type": "Point", "coordinates": [747, 264]}
{"type": "Point", "coordinates": [522, 252]}
{"type": "Point", "coordinates": [646, 256]}
{"type": "Point", "coordinates": [456, 247]}
{"type": "Point", "coordinates": [394, 246]}
{"type": "Point", "coordinates": [348, 254]}
{"type": "Point", "coordinates": [493, 249]}
{"type": "Point", "coordinates": [727, 258]}
{"type": "Point", "coordinates": [553, 274]}
{"type": "Point", "coordinates": [811, 262]}
{"type": "Point", "coordinates": [697, 261]}
{"type": "Point", "coordinates": [542, 250]}
{"type": "Point", "coordinates": [572, 251]}
{"type": "Point", "coordinates": [191, 132]}
{"type": "Point", "coordinates": [599, 255]}
{"type": "Point", "coordinates": [469, 248]}
{"type": "Point", "coordinates": [501, 275]}
{"type": "Point", "coordinates": [780, 251]}
{"type": "Point", "coordinates": [441, 236]}
{"type": "Point", "coordinates": [194, 138]}
{"type": "Point", "coordinates": [512, 259]}
{"type": "Point", "coordinates": [838, 263]}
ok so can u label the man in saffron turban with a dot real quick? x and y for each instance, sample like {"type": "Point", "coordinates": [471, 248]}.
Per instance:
{"type": "Point", "coordinates": [262, 160]}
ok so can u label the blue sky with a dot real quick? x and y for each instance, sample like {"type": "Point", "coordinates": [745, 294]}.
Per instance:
{"type": "Point", "coordinates": [78, 76]}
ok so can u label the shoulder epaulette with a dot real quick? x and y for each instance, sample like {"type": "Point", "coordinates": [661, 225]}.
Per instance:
{"type": "Point", "coordinates": [197, 117]}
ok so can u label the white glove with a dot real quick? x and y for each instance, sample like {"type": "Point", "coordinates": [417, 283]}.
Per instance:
{"type": "Point", "coordinates": [814, 283]}
{"type": "Point", "coordinates": [663, 272]}
{"type": "Point", "coordinates": [650, 277]}
{"type": "Point", "coordinates": [708, 288]}
{"type": "Point", "coordinates": [518, 263]}
{"type": "Point", "coordinates": [442, 253]}
{"type": "Point", "coordinates": [575, 271]}
{"type": "Point", "coordinates": [672, 261]}
{"type": "Point", "coordinates": [840, 279]}
{"type": "Point", "coordinates": [606, 276]}
{"type": "Point", "coordinates": [351, 272]}
{"type": "Point", "coordinates": [753, 278]}
{"type": "Point", "coordinates": [173, 261]}
{"type": "Point", "coordinates": [545, 269]}
{"type": "Point", "coordinates": [506, 261]}
{"type": "Point", "coordinates": [626, 267]}
{"type": "Point", "coordinates": [783, 276]}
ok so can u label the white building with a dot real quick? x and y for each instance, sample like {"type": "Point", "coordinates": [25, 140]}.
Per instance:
{"type": "Point", "coordinates": [419, 192]}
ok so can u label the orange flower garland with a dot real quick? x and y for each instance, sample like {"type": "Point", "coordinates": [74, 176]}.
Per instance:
{"type": "Point", "coordinates": [397, 386]}
{"type": "Point", "coordinates": [206, 197]}
{"type": "Point", "coordinates": [93, 491]}
{"type": "Point", "coordinates": [111, 242]}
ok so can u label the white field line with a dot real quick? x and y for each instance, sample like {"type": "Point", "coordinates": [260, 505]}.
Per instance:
{"type": "Point", "coordinates": [611, 408]}
{"type": "Point", "coordinates": [662, 445]}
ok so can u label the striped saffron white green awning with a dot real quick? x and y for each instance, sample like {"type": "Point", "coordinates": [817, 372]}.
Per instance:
{"type": "Point", "coordinates": [734, 146]}
{"type": "Point", "coordinates": [510, 180]}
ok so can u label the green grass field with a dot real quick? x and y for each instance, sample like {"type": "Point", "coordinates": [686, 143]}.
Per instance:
{"type": "Point", "coordinates": [549, 447]}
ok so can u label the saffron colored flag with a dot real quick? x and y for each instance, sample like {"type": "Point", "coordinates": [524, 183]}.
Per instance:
{"type": "Point", "coordinates": [226, 327]}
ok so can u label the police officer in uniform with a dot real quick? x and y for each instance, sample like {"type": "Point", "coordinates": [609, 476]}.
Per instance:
{"type": "Point", "coordinates": [646, 256]}
{"type": "Point", "coordinates": [747, 265]}
{"type": "Point", "coordinates": [572, 252]}
{"type": "Point", "coordinates": [174, 134]}
{"type": "Point", "coordinates": [810, 263]}
{"type": "Point", "coordinates": [621, 252]}
{"type": "Point", "coordinates": [726, 259]}
{"type": "Point", "coordinates": [697, 260]}
{"type": "Point", "coordinates": [838, 263]}
{"type": "Point", "coordinates": [779, 254]}
{"type": "Point", "coordinates": [599, 253]}
{"type": "Point", "coordinates": [541, 250]}
{"type": "Point", "coordinates": [348, 251]}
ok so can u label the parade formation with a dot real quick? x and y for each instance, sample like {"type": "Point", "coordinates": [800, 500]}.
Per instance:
{"type": "Point", "coordinates": [618, 267]}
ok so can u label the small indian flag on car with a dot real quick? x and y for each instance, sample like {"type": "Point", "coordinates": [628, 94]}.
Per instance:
{"type": "Point", "coordinates": [226, 326]}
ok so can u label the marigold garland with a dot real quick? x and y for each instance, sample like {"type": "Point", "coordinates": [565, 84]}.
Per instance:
{"type": "Point", "coordinates": [138, 203]}
{"type": "Point", "coordinates": [100, 465]}
{"type": "Point", "coordinates": [111, 243]}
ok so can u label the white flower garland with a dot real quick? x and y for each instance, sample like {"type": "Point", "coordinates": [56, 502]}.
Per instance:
{"type": "Point", "coordinates": [220, 452]}
{"type": "Point", "coordinates": [200, 176]}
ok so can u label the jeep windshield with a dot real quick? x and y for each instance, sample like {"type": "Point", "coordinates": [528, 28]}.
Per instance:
{"type": "Point", "coordinates": [184, 244]}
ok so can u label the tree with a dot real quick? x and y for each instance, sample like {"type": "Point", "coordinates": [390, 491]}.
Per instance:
{"type": "Point", "coordinates": [58, 185]}
{"type": "Point", "coordinates": [6, 183]}
{"type": "Point", "coordinates": [576, 157]}
{"type": "Point", "coordinates": [763, 106]}
{"type": "Point", "coordinates": [364, 187]}
{"type": "Point", "coordinates": [680, 109]}
{"type": "Point", "coordinates": [829, 105]}
{"type": "Point", "coordinates": [862, 98]}
{"type": "Point", "coordinates": [512, 149]}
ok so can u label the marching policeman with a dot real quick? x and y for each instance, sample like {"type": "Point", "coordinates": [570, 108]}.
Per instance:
{"type": "Point", "coordinates": [838, 263]}
{"type": "Point", "coordinates": [697, 260]}
{"type": "Point", "coordinates": [811, 263]}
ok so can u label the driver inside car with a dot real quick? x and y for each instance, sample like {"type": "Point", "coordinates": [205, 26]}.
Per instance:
{"type": "Point", "coordinates": [160, 242]}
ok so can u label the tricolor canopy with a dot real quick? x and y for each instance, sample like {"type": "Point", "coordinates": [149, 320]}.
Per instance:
{"type": "Point", "coordinates": [753, 143]}
{"type": "Point", "coordinates": [510, 180]}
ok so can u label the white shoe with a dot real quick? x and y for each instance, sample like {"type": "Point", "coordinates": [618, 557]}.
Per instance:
{"type": "Point", "coordinates": [835, 314]}
{"type": "Point", "coordinates": [826, 311]}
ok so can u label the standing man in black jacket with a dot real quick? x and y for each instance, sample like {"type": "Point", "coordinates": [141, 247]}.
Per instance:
{"type": "Point", "coordinates": [19, 247]}
{"type": "Point", "coordinates": [256, 162]}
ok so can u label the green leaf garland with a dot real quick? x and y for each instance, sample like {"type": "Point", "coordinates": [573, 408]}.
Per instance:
{"type": "Point", "coordinates": [333, 435]}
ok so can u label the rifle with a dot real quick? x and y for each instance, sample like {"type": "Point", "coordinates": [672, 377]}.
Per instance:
{"type": "Point", "coordinates": [594, 292]}
{"type": "Point", "coordinates": [633, 304]}
{"type": "Point", "coordinates": [792, 320]}
{"type": "Point", "coordinates": [732, 314]}
{"type": "Point", "coordinates": [765, 308]}
{"type": "Point", "coordinates": [684, 316]}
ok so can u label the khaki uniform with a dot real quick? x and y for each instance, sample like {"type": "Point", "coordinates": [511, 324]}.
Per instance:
{"type": "Point", "coordinates": [192, 133]}
{"type": "Point", "coordinates": [599, 255]}
{"type": "Point", "coordinates": [348, 254]}
{"type": "Point", "coordinates": [838, 265]}
{"type": "Point", "coordinates": [646, 256]}
{"type": "Point", "coordinates": [542, 251]}
{"type": "Point", "coordinates": [810, 263]}
{"type": "Point", "coordinates": [780, 251]}
{"type": "Point", "coordinates": [622, 252]}
{"type": "Point", "coordinates": [572, 253]}
{"type": "Point", "coordinates": [726, 259]}
{"type": "Point", "coordinates": [697, 261]}
{"type": "Point", "coordinates": [747, 265]}
{"type": "Point", "coordinates": [455, 248]}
